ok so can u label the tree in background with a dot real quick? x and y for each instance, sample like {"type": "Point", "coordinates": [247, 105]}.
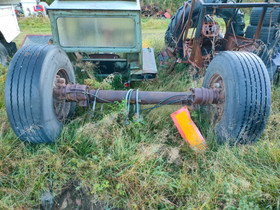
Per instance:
{"type": "Point", "coordinates": [49, 1]}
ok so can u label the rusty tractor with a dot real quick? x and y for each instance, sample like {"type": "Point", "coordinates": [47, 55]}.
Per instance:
{"type": "Point", "coordinates": [41, 92]}
{"type": "Point", "coordinates": [194, 34]}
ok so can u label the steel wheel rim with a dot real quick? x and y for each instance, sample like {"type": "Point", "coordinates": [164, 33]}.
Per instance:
{"type": "Point", "coordinates": [217, 110]}
{"type": "Point", "coordinates": [61, 107]}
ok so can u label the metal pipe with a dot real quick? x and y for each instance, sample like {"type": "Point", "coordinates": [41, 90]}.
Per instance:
{"type": "Point", "coordinates": [144, 97]}
{"type": "Point", "coordinates": [200, 23]}
{"type": "Point", "coordinates": [238, 5]}
{"type": "Point", "coordinates": [82, 94]}
{"type": "Point", "coordinates": [260, 23]}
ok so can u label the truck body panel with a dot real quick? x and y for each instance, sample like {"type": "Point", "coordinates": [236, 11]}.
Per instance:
{"type": "Point", "coordinates": [8, 23]}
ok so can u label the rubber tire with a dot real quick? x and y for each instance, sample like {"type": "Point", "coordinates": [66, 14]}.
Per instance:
{"type": "Point", "coordinates": [175, 20]}
{"type": "Point", "coordinates": [251, 31]}
{"type": "Point", "coordinates": [4, 61]}
{"type": "Point", "coordinates": [29, 92]}
{"type": "Point", "coordinates": [271, 61]}
{"type": "Point", "coordinates": [272, 72]}
{"type": "Point", "coordinates": [248, 96]}
{"type": "Point", "coordinates": [256, 14]}
{"type": "Point", "coordinates": [11, 48]}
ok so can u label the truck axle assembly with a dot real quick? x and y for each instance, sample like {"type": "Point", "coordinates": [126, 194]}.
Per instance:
{"type": "Point", "coordinates": [82, 94]}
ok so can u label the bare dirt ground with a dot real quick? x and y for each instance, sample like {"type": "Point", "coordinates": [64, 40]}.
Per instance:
{"type": "Point", "coordinates": [74, 197]}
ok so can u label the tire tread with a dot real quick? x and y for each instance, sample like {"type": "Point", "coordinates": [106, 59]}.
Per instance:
{"type": "Point", "coordinates": [252, 87]}
{"type": "Point", "coordinates": [22, 103]}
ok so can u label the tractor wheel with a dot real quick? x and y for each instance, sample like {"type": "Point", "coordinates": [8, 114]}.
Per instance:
{"type": "Point", "coordinates": [175, 26]}
{"type": "Point", "coordinates": [265, 33]}
{"type": "Point", "coordinates": [3, 55]}
{"type": "Point", "coordinates": [244, 82]}
{"type": "Point", "coordinates": [273, 74]}
{"type": "Point", "coordinates": [11, 48]}
{"type": "Point", "coordinates": [256, 14]}
{"type": "Point", "coordinates": [33, 113]}
{"type": "Point", "coordinates": [271, 59]}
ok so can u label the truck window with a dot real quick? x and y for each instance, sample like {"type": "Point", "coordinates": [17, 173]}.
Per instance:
{"type": "Point", "coordinates": [96, 32]}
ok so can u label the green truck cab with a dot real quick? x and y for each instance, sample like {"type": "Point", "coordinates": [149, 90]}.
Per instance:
{"type": "Point", "coordinates": [107, 32]}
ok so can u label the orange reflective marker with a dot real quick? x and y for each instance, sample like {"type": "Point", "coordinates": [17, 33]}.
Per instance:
{"type": "Point", "coordinates": [188, 129]}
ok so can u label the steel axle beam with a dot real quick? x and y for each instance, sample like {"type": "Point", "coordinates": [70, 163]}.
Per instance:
{"type": "Point", "coordinates": [82, 94]}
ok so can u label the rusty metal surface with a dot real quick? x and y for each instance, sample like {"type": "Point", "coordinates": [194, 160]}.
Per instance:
{"type": "Point", "coordinates": [205, 96]}
{"type": "Point", "coordinates": [81, 93]}
{"type": "Point", "coordinates": [260, 24]}
{"type": "Point", "coordinates": [145, 97]}
{"type": "Point", "coordinates": [240, 43]}
{"type": "Point", "coordinates": [199, 49]}
{"type": "Point", "coordinates": [69, 92]}
{"type": "Point", "coordinates": [187, 25]}
{"type": "Point", "coordinates": [217, 110]}
{"type": "Point", "coordinates": [61, 106]}
{"type": "Point", "coordinates": [270, 21]}
{"type": "Point", "coordinates": [196, 57]}
{"type": "Point", "coordinates": [210, 29]}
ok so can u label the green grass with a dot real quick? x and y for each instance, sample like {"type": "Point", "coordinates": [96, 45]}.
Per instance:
{"type": "Point", "coordinates": [143, 165]}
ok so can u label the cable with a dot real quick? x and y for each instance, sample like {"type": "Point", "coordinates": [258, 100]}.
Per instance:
{"type": "Point", "coordinates": [88, 104]}
{"type": "Point", "coordinates": [94, 102]}
{"type": "Point", "coordinates": [157, 105]}
{"type": "Point", "coordinates": [101, 99]}
{"type": "Point", "coordinates": [101, 111]}
{"type": "Point", "coordinates": [169, 98]}
{"type": "Point", "coordinates": [127, 99]}
{"type": "Point", "coordinates": [137, 105]}
{"type": "Point", "coordinates": [160, 104]}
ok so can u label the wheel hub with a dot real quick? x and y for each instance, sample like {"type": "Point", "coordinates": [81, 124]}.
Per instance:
{"type": "Point", "coordinates": [61, 107]}
{"type": "Point", "coordinates": [217, 110]}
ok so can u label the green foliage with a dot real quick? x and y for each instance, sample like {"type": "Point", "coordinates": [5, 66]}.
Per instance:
{"type": "Point", "coordinates": [165, 4]}
{"type": "Point", "coordinates": [3, 71]}
{"type": "Point", "coordinates": [32, 25]}
{"type": "Point", "coordinates": [49, 1]}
